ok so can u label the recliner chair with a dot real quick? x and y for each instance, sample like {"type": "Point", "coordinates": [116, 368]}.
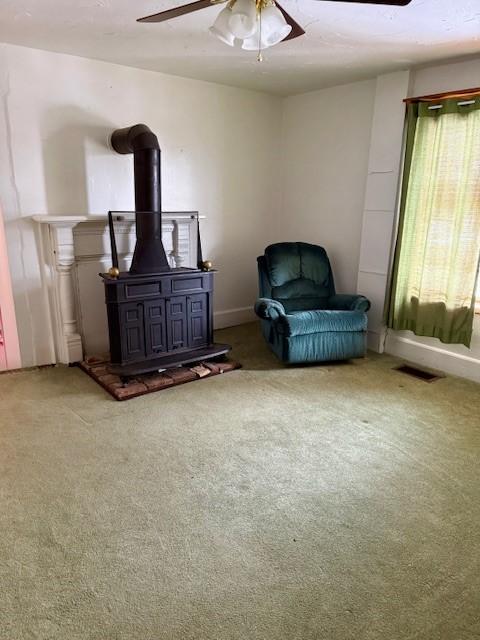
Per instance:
{"type": "Point", "coordinates": [302, 318]}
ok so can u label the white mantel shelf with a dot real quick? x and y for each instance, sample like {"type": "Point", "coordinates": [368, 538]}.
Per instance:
{"type": "Point", "coordinates": [99, 217]}
{"type": "Point", "coordinates": [75, 249]}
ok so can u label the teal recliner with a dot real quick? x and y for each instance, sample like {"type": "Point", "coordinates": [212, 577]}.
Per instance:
{"type": "Point", "coordinates": [302, 318]}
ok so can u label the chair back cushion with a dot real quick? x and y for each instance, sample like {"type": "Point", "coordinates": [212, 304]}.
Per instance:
{"type": "Point", "coordinates": [300, 275]}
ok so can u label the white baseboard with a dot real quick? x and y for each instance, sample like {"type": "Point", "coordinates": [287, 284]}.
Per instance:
{"type": "Point", "coordinates": [232, 317]}
{"type": "Point", "coordinates": [375, 341]}
{"type": "Point", "coordinates": [433, 357]}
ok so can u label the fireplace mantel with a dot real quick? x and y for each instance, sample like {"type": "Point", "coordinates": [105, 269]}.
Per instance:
{"type": "Point", "coordinates": [73, 220]}
{"type": "Point", "coordinates": [75, 248]}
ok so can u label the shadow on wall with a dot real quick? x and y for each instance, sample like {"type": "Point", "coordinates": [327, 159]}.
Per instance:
{"type": "Point", "coordinates": [31, 311]}
{"type": "Point", "coordinates": [76, 139]}
{"type": "Point", "coordinates": [73, 141]}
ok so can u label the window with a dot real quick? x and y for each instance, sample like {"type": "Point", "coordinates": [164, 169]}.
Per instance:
{"type": "Point", "coordinates": [438, 247]}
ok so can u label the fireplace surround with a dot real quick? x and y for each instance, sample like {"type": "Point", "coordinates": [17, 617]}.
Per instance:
{"type": "Point", "coordinates": [74, 249]}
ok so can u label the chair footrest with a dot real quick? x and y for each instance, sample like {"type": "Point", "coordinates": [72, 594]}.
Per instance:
{"type": "Point", "coordinates": [322, 321]}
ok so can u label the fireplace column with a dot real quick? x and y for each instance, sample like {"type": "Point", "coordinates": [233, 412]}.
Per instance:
{"type": "Point", "coordinates": [68, 342]}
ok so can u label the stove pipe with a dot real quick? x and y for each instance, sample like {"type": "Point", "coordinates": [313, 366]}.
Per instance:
{"type": "Point", "coordinates": [149, 255]}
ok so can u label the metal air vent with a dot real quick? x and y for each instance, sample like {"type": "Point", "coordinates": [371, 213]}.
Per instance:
{"type": "Point", "coordinates": [421, 374]}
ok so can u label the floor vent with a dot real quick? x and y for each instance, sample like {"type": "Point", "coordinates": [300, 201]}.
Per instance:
{"type": "Point", "coordinates": [426, 376]}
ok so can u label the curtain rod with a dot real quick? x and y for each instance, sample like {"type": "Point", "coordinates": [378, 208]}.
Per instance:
{"type": "Point", "coordinates": [442, 96]}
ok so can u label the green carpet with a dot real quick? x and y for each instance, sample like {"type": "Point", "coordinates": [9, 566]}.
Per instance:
{"type": "Point", "coordinates": [334, 502]}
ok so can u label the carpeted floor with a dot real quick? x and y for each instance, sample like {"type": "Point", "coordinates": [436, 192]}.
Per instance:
{"type": "Point", "coordinates": [336, 502]}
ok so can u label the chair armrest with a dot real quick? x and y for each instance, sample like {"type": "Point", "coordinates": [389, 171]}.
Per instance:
{"type": "Point", "coordinates": [268, 309]}
{"type": "Point", "coordinates": [346, 302]}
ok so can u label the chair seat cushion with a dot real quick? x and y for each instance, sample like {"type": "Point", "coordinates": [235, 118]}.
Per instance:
{"type": "Point", "coordinates": [320, 321]}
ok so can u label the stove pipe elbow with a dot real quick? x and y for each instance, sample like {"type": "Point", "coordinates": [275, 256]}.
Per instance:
{"type": "Point", "coordinates": [131, 139]}
{"type": "Point", "coordinates": [143, 143]}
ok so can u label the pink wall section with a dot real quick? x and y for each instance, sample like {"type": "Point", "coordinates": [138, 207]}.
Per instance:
{"type": "Point", "coordinates": [9, 347]}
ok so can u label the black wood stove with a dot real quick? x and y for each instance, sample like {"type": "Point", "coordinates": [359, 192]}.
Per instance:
{"type": "Point", "coordinates": [158, 317]}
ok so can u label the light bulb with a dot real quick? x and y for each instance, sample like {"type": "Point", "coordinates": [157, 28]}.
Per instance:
{"type": "Point", "coordinates": [252, 43]}
{"type": "Point", "coordinates": [274, 27]}
{"type": "Point", "coordinates": [243, 18]}
{"type": "Point", "coordinates": [221, 29]}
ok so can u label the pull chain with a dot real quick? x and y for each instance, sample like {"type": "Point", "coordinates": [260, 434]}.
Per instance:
{"type": "Point", "coordinates": [260, 56]}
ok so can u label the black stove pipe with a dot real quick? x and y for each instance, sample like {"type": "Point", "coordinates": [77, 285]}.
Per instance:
{"type": "Point", "coordinates": [149, 255]}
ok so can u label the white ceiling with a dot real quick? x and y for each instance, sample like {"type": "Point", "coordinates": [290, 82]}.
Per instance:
{"type": "Point", "coordinates": [344, 42]}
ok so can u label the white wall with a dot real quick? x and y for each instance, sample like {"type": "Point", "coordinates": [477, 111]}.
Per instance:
{"type": "Point", "coordinates": [326, 138]}
{"type": "Point", "coordinates": [219, 150]}
{"type": "Point", "coordinates": [445, 77]}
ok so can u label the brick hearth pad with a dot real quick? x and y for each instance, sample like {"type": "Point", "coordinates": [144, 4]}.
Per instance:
{"type": "Point", "coordinates": [97, 368]}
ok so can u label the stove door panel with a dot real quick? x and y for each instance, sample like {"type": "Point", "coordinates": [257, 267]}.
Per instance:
{"type": "Point", "coordinates": [197, 320]}
{"type": "Point", "coordinates": [155, 327]}
{"type": "Point", "coordinates": [132, 327]}
{"type": "Point", "coordinates": [177, 333]}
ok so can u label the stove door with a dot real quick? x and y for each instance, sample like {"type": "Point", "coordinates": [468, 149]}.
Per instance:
{"type": "Point", "coordinates": [177, 334]}
{"type": "Point", "coordinates": [132, 327]}
{"type": "Point", "coordinates": [155, 327]}
{"type": "Point", "coordinates": [197, 320]}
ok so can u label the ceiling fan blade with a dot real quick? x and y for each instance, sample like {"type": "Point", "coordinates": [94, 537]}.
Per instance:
{"type": "Point", "coordinates": [296, 28]}
{"type": "Point", "coordinates": [177, 11]}
{"type": "Point", "coordinates": [393, 3]}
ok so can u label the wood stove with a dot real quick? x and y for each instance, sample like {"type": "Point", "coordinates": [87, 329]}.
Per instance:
{"type": "Point", "coordinates": [158, 317]}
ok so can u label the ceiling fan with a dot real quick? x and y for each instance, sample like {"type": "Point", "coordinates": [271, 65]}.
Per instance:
{"type": "Point", "coordinates": [258, 24]}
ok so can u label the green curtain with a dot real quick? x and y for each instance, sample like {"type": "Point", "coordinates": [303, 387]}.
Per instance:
{"type": "Point", "coordinates": [437, 255]}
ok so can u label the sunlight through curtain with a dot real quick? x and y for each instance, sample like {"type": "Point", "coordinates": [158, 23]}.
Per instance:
{"type": "Point", "coordinates": [438, 247]}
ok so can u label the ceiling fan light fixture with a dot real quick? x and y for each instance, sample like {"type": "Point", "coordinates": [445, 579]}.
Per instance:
{"type": "Point", "coordinates": [252, 24]}
{"type": "Point", "coordinates": [274, 26]}
{"type": "Point", "coordinates": [243, 19]}
{"type": "Point", "coordinates": [220, 28]}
